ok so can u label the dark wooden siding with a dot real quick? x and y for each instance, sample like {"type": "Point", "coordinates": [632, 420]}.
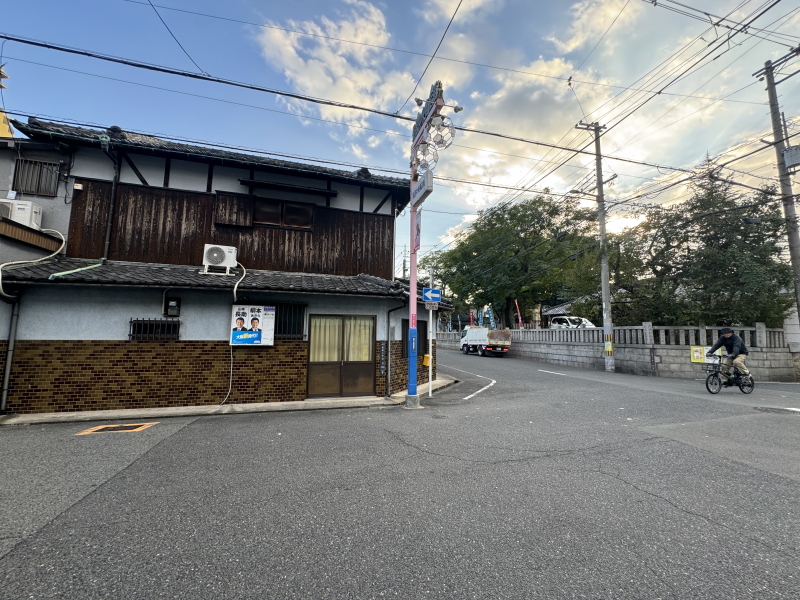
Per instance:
{"type": "Point", "coordinates": [169, 226]}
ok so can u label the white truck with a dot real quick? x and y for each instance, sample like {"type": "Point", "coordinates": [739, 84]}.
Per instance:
{"type": "Point", "coordinates": [485, 341]}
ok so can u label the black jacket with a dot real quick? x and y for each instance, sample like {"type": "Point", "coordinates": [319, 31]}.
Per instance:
{"type": "Point", "coordinates": [734, 345]}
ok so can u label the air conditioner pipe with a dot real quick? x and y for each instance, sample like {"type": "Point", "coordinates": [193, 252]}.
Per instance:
{"type": "Point", "coordinates": [12, 338]}
{"type": "Point", "coordinates": [114, 182]}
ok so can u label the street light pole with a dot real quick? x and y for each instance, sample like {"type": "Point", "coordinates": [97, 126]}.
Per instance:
{"type": "Point", "coordinates": [605, 284]}
{"type": "Point", "coordinates": [431, 131]}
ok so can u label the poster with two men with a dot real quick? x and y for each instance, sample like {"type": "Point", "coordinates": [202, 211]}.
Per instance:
{"type": "Point", "coordinates": [252, 325]}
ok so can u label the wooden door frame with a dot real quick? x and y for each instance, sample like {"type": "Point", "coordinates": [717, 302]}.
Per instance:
{"type": "Point", "coordinates": [342, 316]}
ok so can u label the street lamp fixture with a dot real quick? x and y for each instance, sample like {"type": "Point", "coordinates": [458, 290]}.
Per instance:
{"type": "Point", "coordinates": [431, 131]}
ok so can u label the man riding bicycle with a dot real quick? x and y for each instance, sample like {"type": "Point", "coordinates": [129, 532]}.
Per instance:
{"type": "Point", "coordinates": [736, 353]}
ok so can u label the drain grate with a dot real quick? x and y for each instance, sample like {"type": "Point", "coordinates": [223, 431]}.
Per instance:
{"type": "Point", "coordinates": [121, 427]}
{"type": "Point", "coordinates": [782, 411]}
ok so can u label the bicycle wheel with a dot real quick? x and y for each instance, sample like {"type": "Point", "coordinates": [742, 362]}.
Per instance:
{"type": "Point", "coordinates": [746, 384]}
{"type": "Point", "coordinates": [713, 384]}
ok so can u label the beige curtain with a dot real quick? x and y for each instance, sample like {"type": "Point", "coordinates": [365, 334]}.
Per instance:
{"type": "Point", "coordinates": [326, 339]}
{"type": "Point", "coordinates": [359, 343]}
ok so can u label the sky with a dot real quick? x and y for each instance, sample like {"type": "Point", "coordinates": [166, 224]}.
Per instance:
{"type": "Point", "coordinates": [508, 63]}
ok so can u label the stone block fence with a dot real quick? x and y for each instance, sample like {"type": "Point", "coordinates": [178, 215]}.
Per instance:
{"type": "Point", "coordinates": [656, 351]}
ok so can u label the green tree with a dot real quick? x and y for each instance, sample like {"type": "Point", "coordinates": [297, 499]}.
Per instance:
{"type": "Point", "coordinates": [512, 252]}
{"type": "Point", "coordinates": [699, 262]}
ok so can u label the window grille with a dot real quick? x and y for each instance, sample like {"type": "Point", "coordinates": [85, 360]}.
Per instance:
{"type": "Point", "coordinates": [147, 330]}
{"type": "Point", "coordinates": [422, 338]}
{"type": "Point", "coordinates": [36, 177]}
{"type": "Point", "coordinates": [290, 321]}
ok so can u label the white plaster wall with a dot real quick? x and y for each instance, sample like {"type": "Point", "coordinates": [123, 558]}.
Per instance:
{"type": "Point", "coordinates": [373, 197]}
{"type": "Point", "coordinates": [349, 197]}
{"type": "Point", "coordinates": [76, 313]}
{"type": "Point", "coordinates": [226, 179]}
{"type": "Point", "coordinates": [55, 210]}
{"type": "Point", "coordinates": [92, 163]}
{"type": "Point", "coordinates": [151, 167]}
{"type": "Point", "coordinates": [185, 175]}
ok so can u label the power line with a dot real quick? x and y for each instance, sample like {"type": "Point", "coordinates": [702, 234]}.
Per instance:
{"type": "Point", "coordinates": [378, 47]}
{"type": "Point", "coordinates": [416, 85]}
{"type": "Point", "coordinates": [743, 27]}
{"type": "Point", "coordinates": [175, 38]}
{"type": "Point", "coordinates": [322, 101]}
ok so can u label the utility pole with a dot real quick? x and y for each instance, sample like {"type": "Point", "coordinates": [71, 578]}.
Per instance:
{"type": "Point", "coordinates": [432, 132]}
{"type": "Point", "coordinates": [786, 183]}
{"type": "Point", "coordinates": [404, 262]}
{"type": "Point", "coordinates": [605, 284]}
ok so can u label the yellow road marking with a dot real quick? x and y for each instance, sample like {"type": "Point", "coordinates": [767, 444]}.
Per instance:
{"type": "Point", "coordinates": [128, 427]}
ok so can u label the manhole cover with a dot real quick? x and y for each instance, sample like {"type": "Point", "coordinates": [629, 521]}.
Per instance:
{"type": "Point", "coordinates": [121, 427]}
{"type": "Point", "coordinates": [782, 411]}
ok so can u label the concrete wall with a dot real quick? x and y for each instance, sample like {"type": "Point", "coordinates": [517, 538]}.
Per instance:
{"type": "Point", "coordinates": [772, 364]}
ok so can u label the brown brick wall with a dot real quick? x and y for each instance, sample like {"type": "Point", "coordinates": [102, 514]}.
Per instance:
{"type": "Point", "coordinates": [400, 367]}
{"type": "Point", "coordinates": [65, 376]}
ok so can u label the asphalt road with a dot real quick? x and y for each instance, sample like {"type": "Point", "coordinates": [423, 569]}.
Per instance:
{"type": "Point", "coordinates": [524, 480]}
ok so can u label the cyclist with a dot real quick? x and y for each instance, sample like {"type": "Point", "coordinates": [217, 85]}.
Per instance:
{"type": "Point", "coordinates": [736, 353]}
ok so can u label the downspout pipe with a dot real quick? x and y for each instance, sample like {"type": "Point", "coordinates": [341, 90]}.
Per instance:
{"type": "Point", "coordinates": [115, 181]}
{"type": "Point", "coordinates": [12, 338]}
{"type": "Point", "coordinates": [389, 348]}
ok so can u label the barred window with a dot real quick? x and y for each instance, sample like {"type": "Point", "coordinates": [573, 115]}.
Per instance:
{"type": "Point", "coordinates": [145, 330]}
{"type": "Point", "coordinates": [36, 177]}
{"type": "Point", "coordinates": [290, 321]}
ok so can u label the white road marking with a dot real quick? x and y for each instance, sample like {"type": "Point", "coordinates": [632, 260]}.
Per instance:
{"type": "Point", "coordinates": [476, 375]}
{"type": "Point", "coordinates": [552, 372]}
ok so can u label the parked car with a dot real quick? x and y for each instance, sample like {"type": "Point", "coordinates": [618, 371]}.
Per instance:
{"type": "Point", "coordinates": [569, 323]}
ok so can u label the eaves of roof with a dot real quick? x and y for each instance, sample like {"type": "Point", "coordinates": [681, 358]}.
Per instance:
{"type": "Point", "coordinates": [147, 144]}
{"type": "Point", "coordinates": [149, 275]}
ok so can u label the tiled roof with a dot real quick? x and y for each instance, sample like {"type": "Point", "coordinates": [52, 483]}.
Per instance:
{"type": "Point", "coordinates": [182, 276]}
{"type": "Point", "coordinates": [45, 130]}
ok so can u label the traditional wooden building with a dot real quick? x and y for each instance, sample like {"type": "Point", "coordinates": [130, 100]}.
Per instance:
{"type": "Point", "coordinates": [130, 313]}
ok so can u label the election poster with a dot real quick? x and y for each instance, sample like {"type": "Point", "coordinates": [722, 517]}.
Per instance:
{"type": "Point", "coordinates": [252, 325]}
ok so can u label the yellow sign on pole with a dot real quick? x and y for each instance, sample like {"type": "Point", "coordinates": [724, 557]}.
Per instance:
{"type": "Point", "coordinates": [699, 354]}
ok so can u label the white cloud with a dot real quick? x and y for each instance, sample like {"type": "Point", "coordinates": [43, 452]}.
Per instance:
{"type": "Point", "coordinates": [344, 72]}
{"type": "Point", "coordinates": [591, 19]}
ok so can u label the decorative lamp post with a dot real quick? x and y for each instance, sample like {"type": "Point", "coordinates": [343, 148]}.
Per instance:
{"type": "Point", "coordinates": [432, 132]}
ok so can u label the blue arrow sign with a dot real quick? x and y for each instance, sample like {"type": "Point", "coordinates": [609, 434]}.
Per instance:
{"type": "Point", "coordinates": [431, 295]}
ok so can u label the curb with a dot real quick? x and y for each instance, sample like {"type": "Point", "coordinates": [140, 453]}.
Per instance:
{"type": "Point", "coordinates": [215, 409]}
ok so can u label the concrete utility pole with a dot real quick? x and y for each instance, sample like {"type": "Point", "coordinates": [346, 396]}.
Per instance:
{"type": "Point", "coordinates": [786, 183]}
{"type": "Point", "coordinates": [605, 284]}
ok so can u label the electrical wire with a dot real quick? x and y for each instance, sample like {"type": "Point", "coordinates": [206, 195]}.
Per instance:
{"type": "Point", "coordinates": [31, 262]}
{"type": "Point", "coordinates": [378, 47]}
{"type": "Point", "coordinates": [175, 38]}
{"type": "Point", "coordinates": [416, 84]}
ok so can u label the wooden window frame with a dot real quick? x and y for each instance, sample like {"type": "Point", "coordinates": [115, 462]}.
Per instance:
{"type": "Point", "coordinates": [283, 204]}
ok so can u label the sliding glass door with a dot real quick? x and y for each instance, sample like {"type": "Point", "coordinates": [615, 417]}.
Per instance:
{"type": "Point", "coordinates": [341, 356]}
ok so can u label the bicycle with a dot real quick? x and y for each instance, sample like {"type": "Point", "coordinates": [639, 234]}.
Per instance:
{"type": "Point", "coordinates": [714, 383]}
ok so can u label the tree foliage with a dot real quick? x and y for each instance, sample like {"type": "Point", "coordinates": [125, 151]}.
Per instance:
{"type": "Point", "coordinates": [696, 262]}
{"type": "Point", "coordinates": [699, 262]}
{"type": "Point", "coordinates": [511, 252]}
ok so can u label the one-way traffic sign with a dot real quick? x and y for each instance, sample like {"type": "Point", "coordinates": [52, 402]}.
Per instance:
{"type": "Point", "coordinates": [431, 295]}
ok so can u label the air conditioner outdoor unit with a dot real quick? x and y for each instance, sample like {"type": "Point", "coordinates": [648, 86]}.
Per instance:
{"type": "Point", "coordinates": [219, 257]}
{"type": "Point", "coordinates": [24, 212]}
